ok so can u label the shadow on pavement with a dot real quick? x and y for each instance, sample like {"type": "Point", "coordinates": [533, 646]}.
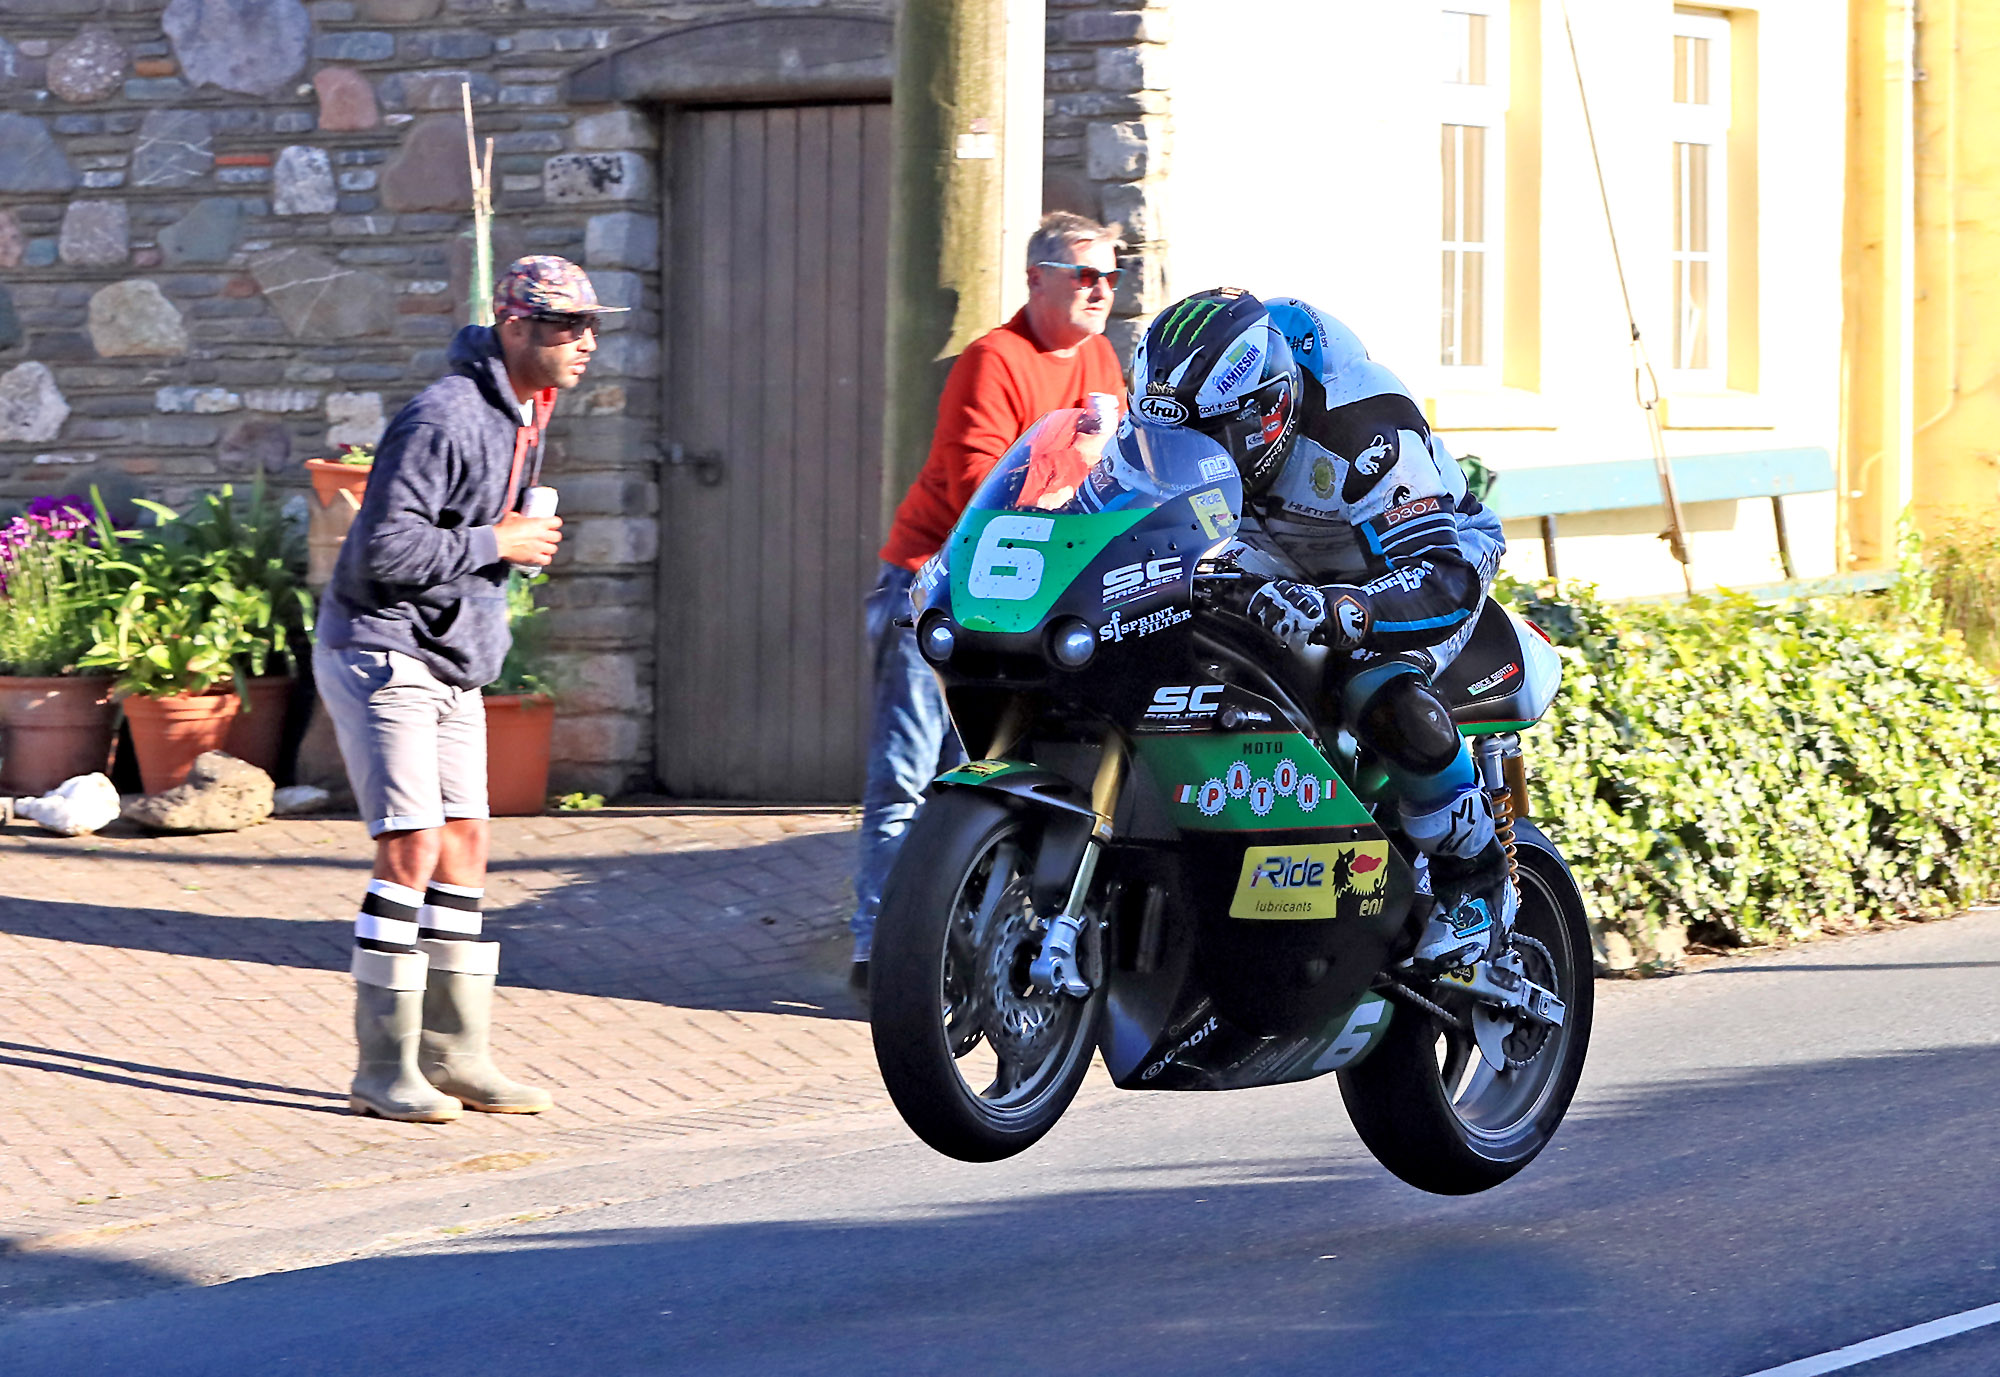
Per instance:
{"type": "Point", "coordinates": [1715, 1225]}
{"type": "Point", "coordinates": [199, 1084]}
{"type": "Point", "coordinates": [758, 928]}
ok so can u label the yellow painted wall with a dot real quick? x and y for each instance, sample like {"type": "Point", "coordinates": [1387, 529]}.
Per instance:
{"type": "Point", "coordinates": [1315, 173]}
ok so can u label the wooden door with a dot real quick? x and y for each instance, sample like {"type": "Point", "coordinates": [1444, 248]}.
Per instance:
{"type": "Point", "coordinates": [777, 229]}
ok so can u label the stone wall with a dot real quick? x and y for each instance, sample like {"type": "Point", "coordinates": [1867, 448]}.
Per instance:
{"type": "Point", "coordinates": [233, 236]}
{"type": "Point", "coordinates": [1106, 137]}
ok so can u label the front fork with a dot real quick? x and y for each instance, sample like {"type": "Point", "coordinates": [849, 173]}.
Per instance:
{"type": "Point", "coordinates": [1056, 967]}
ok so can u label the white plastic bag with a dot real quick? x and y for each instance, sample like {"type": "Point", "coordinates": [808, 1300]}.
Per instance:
{"type": "Point", "coordinates": [82, 804]}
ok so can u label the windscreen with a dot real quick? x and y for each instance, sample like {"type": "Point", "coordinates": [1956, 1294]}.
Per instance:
{"type": "Point", "coordinates": [1071, 461]}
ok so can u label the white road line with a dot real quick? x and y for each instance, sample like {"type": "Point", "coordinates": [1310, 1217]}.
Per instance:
{"type": "Point", "coordinates": [1870, 1349]}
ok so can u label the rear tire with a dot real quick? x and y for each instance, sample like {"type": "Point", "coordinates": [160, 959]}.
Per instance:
{"type": "Point", "coordinates": [979, 1064]}
{"type": "Point", "coordinates": [1488, 1125]}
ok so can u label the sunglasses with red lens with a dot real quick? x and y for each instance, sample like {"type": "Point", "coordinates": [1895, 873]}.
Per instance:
{"type": "Point", "coordinates": [1087, 276]}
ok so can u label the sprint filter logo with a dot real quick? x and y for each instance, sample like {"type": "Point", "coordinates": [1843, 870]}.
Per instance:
{"type": "Point", "coordinates": [1307, 882]}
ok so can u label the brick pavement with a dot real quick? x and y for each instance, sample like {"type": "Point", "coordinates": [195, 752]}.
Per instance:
{"type": "Point", "coordinates": [175, 1013]}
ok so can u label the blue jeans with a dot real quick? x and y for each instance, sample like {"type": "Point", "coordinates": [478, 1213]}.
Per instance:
{"type": "Point", "coordinates": [910, 741]}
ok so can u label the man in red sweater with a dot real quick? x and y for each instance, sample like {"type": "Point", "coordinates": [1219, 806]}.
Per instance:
{"type": "Point", "coordinates": [1052, 354]}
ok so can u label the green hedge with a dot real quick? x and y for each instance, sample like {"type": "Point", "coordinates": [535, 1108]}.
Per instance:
{"type": "Point", "coordinates": [1740, 773]}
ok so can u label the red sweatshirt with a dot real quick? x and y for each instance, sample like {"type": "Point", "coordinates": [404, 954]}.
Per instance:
{"type": "Point", "coordinates": [1000, 386]}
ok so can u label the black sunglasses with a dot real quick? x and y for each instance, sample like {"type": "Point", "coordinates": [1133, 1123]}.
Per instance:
{"type": "Point", "coordinates": [565, 328]}
{"type": "Point", "coordinates": [1086, 276]}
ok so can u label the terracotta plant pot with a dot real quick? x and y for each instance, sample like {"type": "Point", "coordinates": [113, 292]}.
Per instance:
{"type": "Point", "coordinates": [337, 489]}
{"type": "Point", "coordinates": [168, 733]}
{"type": "Point", "coordinates": [52, 729]}
{"type": "Point", "coordinates": [258, 732]}
{"type": "Point", "coordinates": [517, 752]}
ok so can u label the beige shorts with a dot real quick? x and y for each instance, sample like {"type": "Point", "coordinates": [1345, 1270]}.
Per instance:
{"type": "Point", "coordinates": [414, 746]}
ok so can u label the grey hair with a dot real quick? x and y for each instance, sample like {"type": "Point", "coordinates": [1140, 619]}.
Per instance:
{"type": "Point", "coordinates": [1061, 228]}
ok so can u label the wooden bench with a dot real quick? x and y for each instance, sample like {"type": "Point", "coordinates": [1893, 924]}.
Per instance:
{"type": "Point", "coordinates": [1557, 490]}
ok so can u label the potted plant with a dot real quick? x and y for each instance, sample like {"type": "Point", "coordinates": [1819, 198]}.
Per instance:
{"type": "Point", "coordinates": [520, 710]}
{"type": "Point", "coordinates": [55, 718]}
{"type": "Point", "coordinates": [212, 606]}
{"type": "Point", "coordinates": [337, 488]}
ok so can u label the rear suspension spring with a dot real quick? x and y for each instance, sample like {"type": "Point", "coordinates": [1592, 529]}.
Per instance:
{"type": "Point", "coordinates": [1505, 780]}
{"type": "Point", "coordinates": [1503, 828]}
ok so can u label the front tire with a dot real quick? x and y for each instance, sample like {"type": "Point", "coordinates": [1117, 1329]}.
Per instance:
{"type": "Point", "coordinates": [979, 1063]}
{"type": "Point", "coordinates": [1426, 1104]}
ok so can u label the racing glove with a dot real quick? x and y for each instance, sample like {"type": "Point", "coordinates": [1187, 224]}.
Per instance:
{"type": "Point", "coordinates": [1298, 614]}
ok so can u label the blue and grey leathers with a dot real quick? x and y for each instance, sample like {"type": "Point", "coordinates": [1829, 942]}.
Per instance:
{"type": "Point", "coordinates": [1369, 497]}
{"type": "Point", "coordinates": [1388, 556]}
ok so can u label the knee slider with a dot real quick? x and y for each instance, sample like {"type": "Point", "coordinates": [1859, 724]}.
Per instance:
{"type": "Point", "coordinates": [1410, 726]}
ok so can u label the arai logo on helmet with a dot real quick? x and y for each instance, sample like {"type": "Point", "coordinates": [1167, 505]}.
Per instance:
{"type": "Point", "coordinates": [1166, 410]}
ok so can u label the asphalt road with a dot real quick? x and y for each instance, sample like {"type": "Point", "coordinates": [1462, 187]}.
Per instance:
{"type": "Point", "coordinates": [1770, 1158]}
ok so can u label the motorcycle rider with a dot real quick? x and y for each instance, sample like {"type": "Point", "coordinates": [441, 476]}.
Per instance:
{"type": "Point", "coordinates": [1343, 480]}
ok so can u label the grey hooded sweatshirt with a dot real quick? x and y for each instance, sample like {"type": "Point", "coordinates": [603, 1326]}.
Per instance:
{"type": "Point", "coordinates": [420, 571]}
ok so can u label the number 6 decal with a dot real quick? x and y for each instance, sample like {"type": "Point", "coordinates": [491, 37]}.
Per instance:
{"type": "Point", "coordinates": [1009, 573]}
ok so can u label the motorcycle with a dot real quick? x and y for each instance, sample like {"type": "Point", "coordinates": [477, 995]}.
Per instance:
{"type": "Point", "coordinates": [1156, 852]}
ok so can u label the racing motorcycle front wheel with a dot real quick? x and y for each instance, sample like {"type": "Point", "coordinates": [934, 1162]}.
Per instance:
{"type": "Point", "coordinates": [979, 1061]}
{"type": "Point", "coordinates": [1437, 1113]}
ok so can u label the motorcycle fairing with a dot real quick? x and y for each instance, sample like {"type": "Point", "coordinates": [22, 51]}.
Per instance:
{"type": "Point", "coordinates": [1271, 982]}
{"type": "Point", "coordinates": [1010, 568]}
{"type": "Point", "coordinates": [1505, 678]}
{"type": "Point", "coordinates": [1247, 782]}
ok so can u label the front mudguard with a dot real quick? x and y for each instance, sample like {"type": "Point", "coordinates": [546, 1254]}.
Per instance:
{"type": "Point", "coordinates": [1068, 820]}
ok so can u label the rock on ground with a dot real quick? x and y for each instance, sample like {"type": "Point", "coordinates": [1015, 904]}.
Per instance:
{"type": "Point", "coordinates": [222, 794]}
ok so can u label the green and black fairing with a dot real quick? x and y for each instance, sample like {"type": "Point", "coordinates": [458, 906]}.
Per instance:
{"type": "Point", "coordinates": [1253, 897]}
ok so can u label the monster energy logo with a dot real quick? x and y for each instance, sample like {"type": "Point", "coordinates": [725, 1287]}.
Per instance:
{"type": "Point", "coordinates": [1189, 316]}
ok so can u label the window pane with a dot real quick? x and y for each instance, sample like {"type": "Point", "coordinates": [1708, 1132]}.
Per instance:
{"type": "Point", "coordinates": [1680, 197]}
{"type": "Point", "coordinates": [1449, 161]}
{"type": "Point", "coordinates": [1690, 70]}
{"type": "Point", "coordinates": [1471, 313]}
{"type": "Point", "coordinates": [1465, 49]}
{"type": "Point", "coordinates": [1473, 197]}
{"type": "Point", "coordinates": [1697, 197]}
{"type": "Point", "coordinates": [1680, 313]}
{"type": "Point", "coordinates": [1696, 315]}
{"type": "Point", "coordinates": [1448, 310]}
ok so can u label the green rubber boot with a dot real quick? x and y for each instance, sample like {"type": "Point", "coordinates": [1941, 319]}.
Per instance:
{"type": "Point", "coordinates": [388, 1018]}
{"type": "Point", "coordinates": [458, 1023]}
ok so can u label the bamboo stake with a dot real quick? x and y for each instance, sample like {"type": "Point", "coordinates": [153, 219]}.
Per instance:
{"type": "Point", "coordinates": [480, 292]}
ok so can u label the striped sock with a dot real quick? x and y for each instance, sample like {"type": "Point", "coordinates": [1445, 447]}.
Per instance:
{"type": "Point", "coordinates": [388, 917]}
{"type": "Point", "coordinates": [451, 912]}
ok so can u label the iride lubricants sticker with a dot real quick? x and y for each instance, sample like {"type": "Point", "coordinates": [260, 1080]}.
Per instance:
{"type": "Point", "coordinates": [1307, 882]}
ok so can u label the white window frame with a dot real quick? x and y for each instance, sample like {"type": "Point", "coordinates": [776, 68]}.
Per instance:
{"type": "Point", "coordinates": [1479, 107]}
{"type": "Point", "coordinates": [1706, 125]}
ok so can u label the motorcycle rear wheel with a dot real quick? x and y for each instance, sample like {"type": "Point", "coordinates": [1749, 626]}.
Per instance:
{"type": "Point", "coordinates": [1425, 1103]}
{"type": "Point", "coordinates": [979, 1064]}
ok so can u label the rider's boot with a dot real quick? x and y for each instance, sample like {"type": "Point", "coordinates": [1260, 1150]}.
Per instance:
{"type": "Point", "coordinates": [1475, 909]}
{"type": "Point", "coordinates": [1475, 901]}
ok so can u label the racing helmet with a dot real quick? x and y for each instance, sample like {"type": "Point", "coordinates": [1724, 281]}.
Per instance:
{"type": "Point", "coordinates": [1217, 363]}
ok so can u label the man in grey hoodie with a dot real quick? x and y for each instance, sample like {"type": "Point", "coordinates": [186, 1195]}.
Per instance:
{"type": "Point", "coordinates": [414, 624]}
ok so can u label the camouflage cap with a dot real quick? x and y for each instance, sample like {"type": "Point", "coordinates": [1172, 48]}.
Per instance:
{"type": "Point", "coordinates": [546, 285]}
